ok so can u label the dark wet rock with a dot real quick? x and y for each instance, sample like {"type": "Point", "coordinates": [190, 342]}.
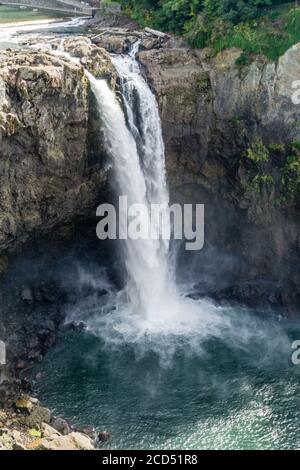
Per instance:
{"type": "Point", "coordinates": [34, 354]}
{"type": "Point", "coordinates": [61, 426]}
{"type": "Point", "coordinates": [74, 326]}
{"type": "Point", "coordinates": [48, 325]}
{"type": "Point", "coordinates": [3, 264]}
{"type": "Point", "coordinates": [18, 446]}
{"type": "Point", "coordinates": [27, 294]}
{"type": "Point", "coordinates": [104, 436]}
{"type": "Point", "coordinates": [38, 377]}
{"type": "Point", "coordinates": [20, 364]}
{"type": "Point", "coordinates": [49, 293]}
{"type": "Point", "coordinates": [89, 431]}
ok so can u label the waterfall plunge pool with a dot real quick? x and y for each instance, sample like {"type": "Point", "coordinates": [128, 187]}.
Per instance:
{"type": "Point", "coordinates": [236, 391]}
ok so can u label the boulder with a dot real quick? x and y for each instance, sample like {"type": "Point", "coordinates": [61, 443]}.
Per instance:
{"type": "Point", "coordinates": [61, 426]}
{"type": "Point", "coordinates": [38, 415]}
{"type": "Point", "coordinates": [73, 441]}
{"type": "Point", "coordinates": [48, 431]}
{"type": "Point", "coordinates": [24, 403]}
{"type": "Point", "coordinates": [104, 436]}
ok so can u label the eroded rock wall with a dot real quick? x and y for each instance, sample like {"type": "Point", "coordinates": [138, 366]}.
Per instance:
{"type": "Point", "coordinates": [46, 176]}
{"type": "Point", "coordinates": [213, 110]}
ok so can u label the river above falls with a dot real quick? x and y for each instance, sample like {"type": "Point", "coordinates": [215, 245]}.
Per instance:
{"type": "Point", "coordinates": [16, 15]}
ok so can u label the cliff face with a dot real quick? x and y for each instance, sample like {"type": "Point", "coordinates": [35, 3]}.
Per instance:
{"type": "Point", "coordinates": [212, 108]}
{"type": "Point", "coordinates": [47, 177]}
{"type": "Point", "coordinates": [229, 130]}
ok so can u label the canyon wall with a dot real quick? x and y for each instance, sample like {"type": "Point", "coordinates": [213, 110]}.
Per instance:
{"type": "Point", "coordinates": [48, 175]}
{"type": "Point", "coordinates": [228, 126]}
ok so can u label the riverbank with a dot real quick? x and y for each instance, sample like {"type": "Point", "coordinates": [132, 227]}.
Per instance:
{"type": "Point", "coordinates": [26, 425]}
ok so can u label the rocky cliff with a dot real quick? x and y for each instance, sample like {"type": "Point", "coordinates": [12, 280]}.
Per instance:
{"type": "Point", "coordinates": [47, 175]}
{"type": "Point", "coordinates": [232, 138]}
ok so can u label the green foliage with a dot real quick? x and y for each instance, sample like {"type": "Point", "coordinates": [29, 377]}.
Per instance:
{"type": "Point", "coordinates": [235, 121]}
{"type": "Point", "coordinates": [252, 25]}
{"type": "Point", "coordinates": [279, 178]}
{"type": "Point", "coordinates": [295, 145]}
{"type": "Point", "coordinates": [290, 175]}
{"type": "Point", "coordinates": [260, 182]}
{"type": "Point", "coordinates": [244, 59]}
{"type": "Point", "coordinates": [34, 433]}
{"type": "Point", "coordinates": [293, 22]}
{"type": "Point", "coordinates": [276, 148]}
{"type": "Point", "coordinates": [257, 163]}
{"type": "Point", "coordinates": [268, 37]}
{"type": "Point", "coordinates": [257, 152]}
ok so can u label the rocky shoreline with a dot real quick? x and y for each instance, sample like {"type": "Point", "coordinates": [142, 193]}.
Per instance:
{"type": "Point", "coordinates": [43, 296]}
{"type": "Point", "coordinates": [26, 425]}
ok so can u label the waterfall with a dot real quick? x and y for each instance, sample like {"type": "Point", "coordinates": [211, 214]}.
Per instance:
{"type": "Point", "coordinates": [149, 311]}
{"type": "Point", "coordinates": [134, 142]}
{"type": "Point", "coordinates": [150, 308]}
{"type": "Point", "coordinates": [145, 125]}
{"type": "Point", "coordinates": [150, 305]}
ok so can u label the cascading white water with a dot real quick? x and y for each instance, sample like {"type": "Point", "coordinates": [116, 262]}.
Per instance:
{"type": "Point", "coordinates": [145, 125]}
{"type": "Point", "coordinates": [133, 139]}
{"type": "Point", "coordinates": [137, 151]}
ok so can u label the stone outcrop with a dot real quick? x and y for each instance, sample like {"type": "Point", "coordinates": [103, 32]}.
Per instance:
{"type": "Point", "coordinates": [110, 17]}
{"type": "Point", "coordinates": [213, 110]}
{"type": "Point", "coordinates": [120, 41]}
{"type": "Point", "coordinates": [46, 176]}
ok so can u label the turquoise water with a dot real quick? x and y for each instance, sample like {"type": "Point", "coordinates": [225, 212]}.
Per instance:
{"type": "Point", "coordinates": [233, 389]}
